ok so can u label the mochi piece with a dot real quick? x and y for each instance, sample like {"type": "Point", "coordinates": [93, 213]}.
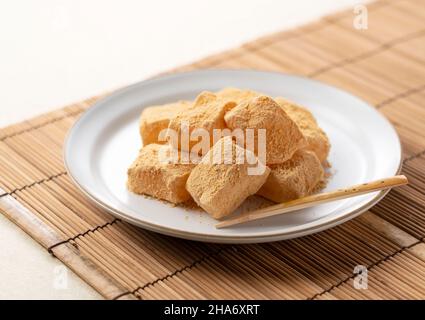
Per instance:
{"type": "Point", "coordinates": [156, 118]}
{"type": "Point", "coordinates": [283, 137]}
{"type": "Point", "coordinates": [219, 187]}
{"type": "Point", "coordinates": [294, 178]}
{"type": "Point", "coordinates": [316, 138]}
{"type": "Point", "coordinates": [150, 174]}
{"type": "Point", "coordinates": [206, 114]}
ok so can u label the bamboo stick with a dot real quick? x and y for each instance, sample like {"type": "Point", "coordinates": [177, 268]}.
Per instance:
{"type": "Point", "coordinates": [315, 200]}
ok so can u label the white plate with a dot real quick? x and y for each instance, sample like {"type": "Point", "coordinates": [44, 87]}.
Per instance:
{"type": "Point", "coordinates": [105, 140]}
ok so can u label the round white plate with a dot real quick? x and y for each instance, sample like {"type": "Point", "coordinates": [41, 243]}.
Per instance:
{"type": "Point", "coordinates": [105, 140]}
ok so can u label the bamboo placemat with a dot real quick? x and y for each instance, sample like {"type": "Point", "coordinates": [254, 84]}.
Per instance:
{"type": "Point", "coordinates": [385, 65]}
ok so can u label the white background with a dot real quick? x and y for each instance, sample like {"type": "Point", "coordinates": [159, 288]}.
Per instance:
{"type": "Point", "coordinates": [55, 52]}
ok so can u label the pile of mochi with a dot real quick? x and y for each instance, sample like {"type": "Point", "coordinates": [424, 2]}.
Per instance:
{"type": "Point", "coordinates": [296, 151]}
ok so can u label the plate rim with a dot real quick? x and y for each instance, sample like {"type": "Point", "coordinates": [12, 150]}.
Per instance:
{"type": "Point", "coordinates": [222, 238]}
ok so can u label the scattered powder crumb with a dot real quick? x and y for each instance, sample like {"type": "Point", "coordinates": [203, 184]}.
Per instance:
{"type": "Point", "coordinates": [326, 165]}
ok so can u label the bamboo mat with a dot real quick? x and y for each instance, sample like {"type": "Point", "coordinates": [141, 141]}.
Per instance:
{"type": "Point", "coordinates": [384, 65]}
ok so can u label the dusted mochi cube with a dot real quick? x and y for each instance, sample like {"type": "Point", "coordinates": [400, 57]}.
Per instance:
{"type": "Point", "coordinates": [221, 181]}
{"type": "Point", "coordinates": [236, 95]}
{"type": "Point", "coordinates": [151, 174]}
{"type": "Point", "coordinates": [156, 118]}
{"type": "Point", "coordinates": [205, 115]}
{"type": "Point", "coordinates": [294, 178]}
{"type": "Point", "coordinates": [283, 137]}
{"type": "Point", "coordinates": [317, 139]}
